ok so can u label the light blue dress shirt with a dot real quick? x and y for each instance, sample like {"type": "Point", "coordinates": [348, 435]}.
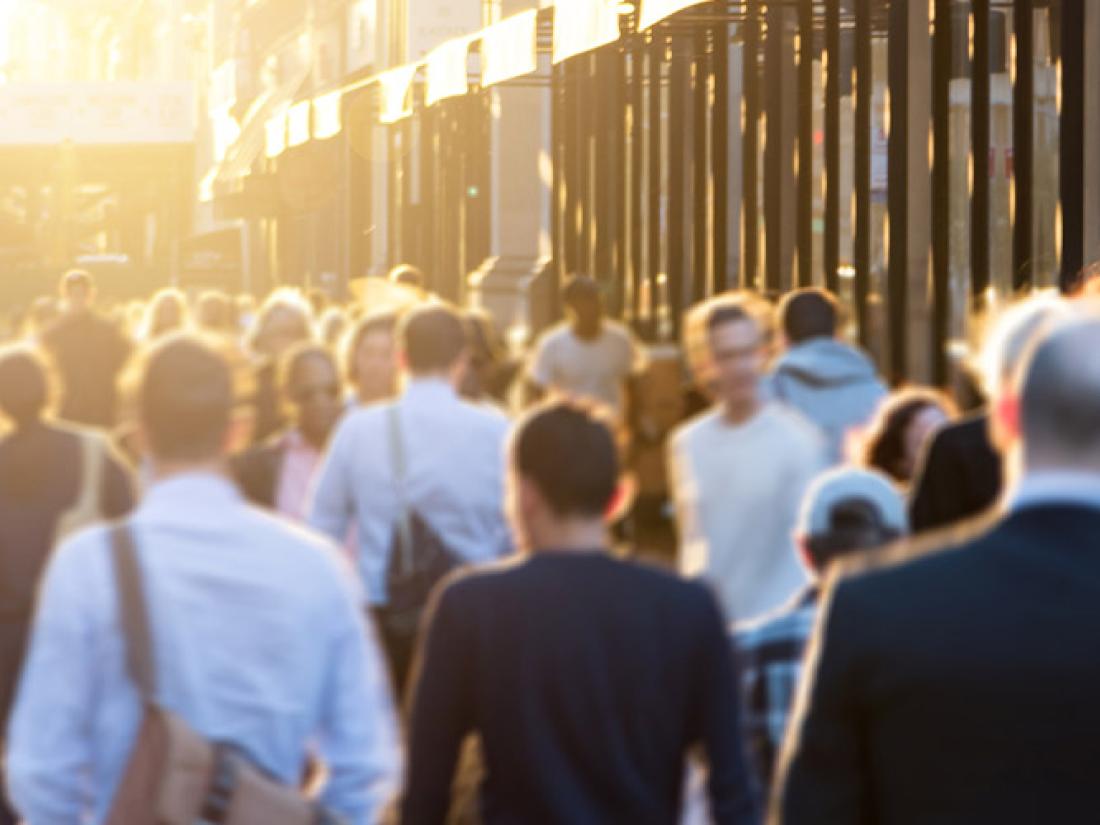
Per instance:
{"type": "Point", "coordinates": [454, 452]}
{"type": "Point", "coordinates": [1047, 487]}
{"type": "Point", "coordinates": [260, 641]}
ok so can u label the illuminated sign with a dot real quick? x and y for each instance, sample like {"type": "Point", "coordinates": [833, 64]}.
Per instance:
{"type": "Point", "coordinates": [97, 113]}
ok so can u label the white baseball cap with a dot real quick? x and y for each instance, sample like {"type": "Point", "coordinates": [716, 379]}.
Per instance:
{"type": "Point", "coordinates": [845, 485]}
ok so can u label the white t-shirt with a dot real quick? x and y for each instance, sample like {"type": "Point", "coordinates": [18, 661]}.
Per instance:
{"type": "Point", "coordinates": [737, 491]}
{"type": "Point", "coordinates": [593, 369]}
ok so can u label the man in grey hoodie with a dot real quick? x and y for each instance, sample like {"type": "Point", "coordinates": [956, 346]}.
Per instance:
{"type": "Point", "coordinates": [832, 384]}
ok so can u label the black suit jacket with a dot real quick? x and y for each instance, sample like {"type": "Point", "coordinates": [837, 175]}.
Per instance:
{"type": "Point", "coordinates": [961, 687]}
{"type": "Point", "coordinates": [960, 477]}
{"type": "Point", "coordinates": [588, 679]}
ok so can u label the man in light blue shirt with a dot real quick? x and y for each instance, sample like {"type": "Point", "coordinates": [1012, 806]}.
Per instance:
{"type": "Point", "coordinates": [453, 452]}
{"type": "Point", "coordinates": [257, 630]}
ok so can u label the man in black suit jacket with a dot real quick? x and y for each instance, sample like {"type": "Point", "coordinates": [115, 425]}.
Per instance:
{"type": "Point", "coordinates": [587, 678]}
{"type": "Point", "coordinates": [960, 685]}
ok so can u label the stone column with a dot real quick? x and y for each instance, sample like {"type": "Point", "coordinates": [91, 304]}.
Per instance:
{"type": "Point", "coordinates": [520, 176]}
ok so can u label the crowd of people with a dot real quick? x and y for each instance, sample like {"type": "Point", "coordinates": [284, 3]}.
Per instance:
{"type": "Point", "coordinates": [396, 563]}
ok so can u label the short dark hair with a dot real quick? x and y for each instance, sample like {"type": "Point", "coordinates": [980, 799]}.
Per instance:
{"type": "Point", "coordinates": [569, 453]}
{"type": "Point", "coordinates": [855, 524]}
{"type": "Point", "coordinates": [384, 320]}
{"type": "Point", "coordinates": [808, 313]}
{"type": "Point", "coordinates": [186, 398]}
{"type": "Point", "coordinates": [77, 279]}
{"type": "Point", "coordinates": [578, 287]}
{"type": "Point", "coordinates": [434, 338]}
{"type": "Point", "coordinates": [216, 311]}
{"type": "Point", "coordinates": [25, 385]}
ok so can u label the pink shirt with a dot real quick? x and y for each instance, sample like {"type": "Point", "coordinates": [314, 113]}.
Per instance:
{"type": "Point", "coordinates": [300, 462]}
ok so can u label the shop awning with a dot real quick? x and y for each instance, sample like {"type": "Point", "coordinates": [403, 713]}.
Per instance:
{"type": "Point", "coordinates": [653, 12]}
{"type": "Point", "coordinates": [583, 25]}
{"type": "Point", "coordinates": [297, 123]}
{"type": "Point", "coordinates": [253, 138]}
{"type": "Point", "coordinates": [446, 70]}
{"type": "Point", "coordinates": [396, 92]}
{"type": "Point", "coordinates": [509, 49]}
{"type": "Point", "coordinates": [327, 115]}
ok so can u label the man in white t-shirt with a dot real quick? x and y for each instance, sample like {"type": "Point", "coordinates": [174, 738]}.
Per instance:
{"type": "Point", "coordinates": [587, 356]}
{"type": "Point", "coordinates": [739, 470]}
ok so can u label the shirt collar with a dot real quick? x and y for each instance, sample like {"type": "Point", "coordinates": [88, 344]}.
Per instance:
{"type": "Point", "coordinates": [186, 494]}
{"type": "Point", "coordinates": [1056, 487]}
{"type": "Point", "coordinates": [294, 440]}
{"type": "Point", "coordinates": [429, 390]}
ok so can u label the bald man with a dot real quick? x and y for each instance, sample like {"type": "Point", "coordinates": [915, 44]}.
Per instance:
{"type": "Point", "coordinates": [960, 684]}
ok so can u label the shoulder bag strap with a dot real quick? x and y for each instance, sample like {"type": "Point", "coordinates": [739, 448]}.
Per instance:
{"type": "Point", "coordinates": [399, 460]}
{"type": "Point", "coordinates": [135, 617]}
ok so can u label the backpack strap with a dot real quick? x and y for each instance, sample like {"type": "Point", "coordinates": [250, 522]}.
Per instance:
{"type": "Point", "coordinates": [133, 612]}
{"type": "Point", "coordinates": [399, 461]}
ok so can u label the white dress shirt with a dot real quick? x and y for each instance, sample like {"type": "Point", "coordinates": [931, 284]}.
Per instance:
{"type": "Point", "coordinates": [259, 641]}
{"type": "Point", "coordinates": [454, 479]}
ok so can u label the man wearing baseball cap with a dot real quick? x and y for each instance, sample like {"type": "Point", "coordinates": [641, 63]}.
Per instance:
{"type": "Point", "coordinates": [844, 511]}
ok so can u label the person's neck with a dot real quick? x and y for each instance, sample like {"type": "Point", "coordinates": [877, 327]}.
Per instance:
{"type": "Point", "coordinates": [739, 412]}
{"type": "Point", "coordinates": [318, 441]}
{"type": "Point", "coordinates": [164, 470]}
{"type": "Point", "coordinates": [588, 332]}
{"type": "Point", "coordinates": [574, 535]}
{"type": "Point", "coordinates": [440, 376]}
{"type": "Point", "coordinates": [1032, 465]}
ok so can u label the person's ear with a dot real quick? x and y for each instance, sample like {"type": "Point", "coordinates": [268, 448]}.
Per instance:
{"type": "Point", "coordinates": [1006, 420]}
{"type": "Point", "coordinates": [460, 368]}
{"type": "Point", "coordinates": [238, 435]}
{"type": "Point", "coordinates": [802, 542]}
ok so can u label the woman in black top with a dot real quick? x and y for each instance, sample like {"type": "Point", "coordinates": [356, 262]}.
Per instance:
{"type": "Point", "coordinates": [42, 480]}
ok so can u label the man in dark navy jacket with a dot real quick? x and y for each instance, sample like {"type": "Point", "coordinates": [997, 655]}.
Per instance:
{"type": "Point", "coordinates": [960, 686]}
{"type": "Point", "coordinates": [587, 678]}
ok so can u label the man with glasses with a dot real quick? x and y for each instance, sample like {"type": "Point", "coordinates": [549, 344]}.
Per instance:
{"type": "Point", "coordinates": [278, 473]}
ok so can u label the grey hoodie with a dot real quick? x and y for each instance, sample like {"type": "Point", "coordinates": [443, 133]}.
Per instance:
{"type": "Point", "coordinates": [832, 384]}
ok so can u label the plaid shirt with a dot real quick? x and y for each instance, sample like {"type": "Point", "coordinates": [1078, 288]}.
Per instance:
{"type": "Point", "coordinates": [770, 654]}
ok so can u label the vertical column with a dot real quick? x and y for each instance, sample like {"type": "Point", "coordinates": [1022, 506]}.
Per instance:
{"type": "Point", "coordinates": [653, 172]}
{"type": "Point", "coordinates": [862, 167]}
{"type": "Point", "coordinates": [1023, 135]}
{"type": "Point", "coordinates": [1090, 170]}
{"type": "Point", "coordinates": [750, 258]}
{"type": "Point", "coordinates": [719, 141]}
{"type": "Point", "coordinates": [678, 167]}
{"type": "Point", "coordinates": [526, 163]}
{"type": "Point", "coordinates": [699, 272]}
{"type": "Point", "coordinates": [636, 172]}
{"type": "Point", "coordinates": [1072, 139]}
{"type": "Point", "coordinates": [805, 142]}
{"type": "Point", "coordinates": [980, 137]}
{"type": "Point", "coordinates": [941, 183]}
{"type": "Point", "coordinates": [832, 145]}
{"type": "Point", "coordinates": [779, 183]}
